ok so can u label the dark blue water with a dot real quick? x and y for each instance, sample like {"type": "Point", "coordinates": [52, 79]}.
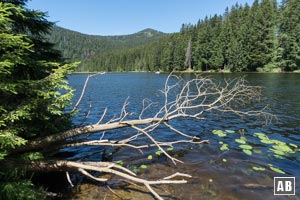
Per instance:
{"type": "Point", "coordinates": [280, 93]}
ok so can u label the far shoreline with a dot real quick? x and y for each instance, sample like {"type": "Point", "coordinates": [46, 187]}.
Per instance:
{"type": "Point", "coordinates": [189, 71]}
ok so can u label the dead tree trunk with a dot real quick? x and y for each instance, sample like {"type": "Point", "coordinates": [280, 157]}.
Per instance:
{"type": "Point", "coordinates": [193, 98]}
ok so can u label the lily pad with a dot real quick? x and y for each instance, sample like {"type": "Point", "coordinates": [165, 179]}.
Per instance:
{"type": "Point", "coordinates": [277, 170]}
{"type": "Point", "coordinates": [170, 148]}
{"type": "Point", "coordinates": [259, 168]}
{"type": "Point", "coordinates": [266, 141]}
{"type": "Point", "coordinates": [284, 148]}
{"type": "Point", "coordinates": [278, 142]}
{"type": "Point", "coordinates": [224, 160]}
{"type": "Point", "coordinates": [278, 152]}
{"type": "Point", "coordinates": [293, 145]}
{"type": "Point", "coordinates": [150, 157]}
{"type": "Point", "coordinates": [229, 131]}
{"type": "Point", "coordinates": [260, 134]}
{"type": "Point", "coordinates": [158, 152]}
{"type": "Point", "coordinates": [263, 137]}
{"type": "Point", "coordinates": [120, 162]}
{"type": "Point", "coordinates": [220, 142]}
{"type": "Point", "coordinates": [279, 156]}
{"type": "Point", "coordinates": [224, 147]}
{"type": "Point", "coordinates": [245, 146]}
{"type": "Point", "coordinates": [219, 133]}
{"type": "Point", "coordinates": [240, 141]}
{"type": "Point", "coordinates": [247, 151]}
{"type": "Point", "coordinates": [143, 166]}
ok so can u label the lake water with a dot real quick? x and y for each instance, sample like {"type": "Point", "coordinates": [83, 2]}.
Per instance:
{"type": "Point", "coordinates": [216, 174]}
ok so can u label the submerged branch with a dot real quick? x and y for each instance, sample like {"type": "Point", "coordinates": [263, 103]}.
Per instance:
{"type": "Point", "coordinates": [183, 99]}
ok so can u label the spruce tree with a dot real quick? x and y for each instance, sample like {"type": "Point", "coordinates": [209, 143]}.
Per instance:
{"type": "Point", "coordinates": [289, 37]}
{"type": "Point", "coordinates": [33, 89]}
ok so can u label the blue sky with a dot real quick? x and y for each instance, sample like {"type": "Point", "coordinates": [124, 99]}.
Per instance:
{"type": "Point", "coordinates": [118, 17]}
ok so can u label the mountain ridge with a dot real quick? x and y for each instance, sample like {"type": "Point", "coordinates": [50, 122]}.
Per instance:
{"type": "Point", "coordinates": [76, 46]}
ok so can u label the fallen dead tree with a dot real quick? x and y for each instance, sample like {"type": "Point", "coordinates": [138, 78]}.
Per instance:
{"type": "Point", "coordinates": [182, 99]}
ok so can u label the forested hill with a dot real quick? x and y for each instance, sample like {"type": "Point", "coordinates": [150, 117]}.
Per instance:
{"type": "Point", "coordinates": [81, 47]}
{"type": "Point", "coordinates": [264, 36]}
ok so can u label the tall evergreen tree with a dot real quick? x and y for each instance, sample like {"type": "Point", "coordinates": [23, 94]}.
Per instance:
{"type": "Point", "coordinates": [289, 37]}
{"type": "Point", "coordinates": [33, 90]}
{"type": "Point", "coordinates": [262, 37]}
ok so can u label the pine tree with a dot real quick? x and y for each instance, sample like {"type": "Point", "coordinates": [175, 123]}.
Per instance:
{"type": "Point", "coordinates": [262, 37]}
{"type": "Point", "coordinates": [289, 37]}
{"type": "Point", "coordinates": [33, 89]}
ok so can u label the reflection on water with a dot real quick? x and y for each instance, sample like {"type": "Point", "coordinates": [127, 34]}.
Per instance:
{"type": "Point", "coordinates": [216, 174]}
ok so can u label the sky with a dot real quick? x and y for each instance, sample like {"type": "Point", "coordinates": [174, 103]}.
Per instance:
{"type": "Point", "coordinates": [122, 17]}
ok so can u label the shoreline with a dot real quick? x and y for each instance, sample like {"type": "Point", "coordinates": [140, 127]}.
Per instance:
{"type": "Point", "coordinates": [198, 72]}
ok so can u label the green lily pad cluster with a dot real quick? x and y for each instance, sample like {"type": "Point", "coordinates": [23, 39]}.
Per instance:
{"type": "Point", "coordinates": [219, 133]}
{"type": "Point", "coordinates": [279, 148]}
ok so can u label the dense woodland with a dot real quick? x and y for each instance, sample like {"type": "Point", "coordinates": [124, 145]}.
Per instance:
{"type": "Point", "coordinates": [78, 46]}
{"type": "Point", "coordinates": [261, 37]}
{"type": "Point", "coordinates": [34, 91]}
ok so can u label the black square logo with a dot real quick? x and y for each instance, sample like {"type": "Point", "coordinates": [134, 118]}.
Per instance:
{"type": "Point", "coordinates": [284, 185]}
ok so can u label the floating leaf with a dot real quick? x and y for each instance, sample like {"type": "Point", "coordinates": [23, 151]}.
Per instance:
{"type": "Point", "coordinates": [260, 134]}
{"type": "Point", "coordinates": [224, 160]}
{"type": "Point", "coordinates": [263, 137]}
{"type": "Point", "coordinates": [278, 142]}
{"type": "Point", "coordinates": [229, 131]}
{"type": "Point", "coordinates": [170, 148]}
{"type": "Point", "coordinates": [224, 147]}
{"type": "Point", "coordinates": [220, 142]}
{"type": "Point", "coordinates": [259, 168]}
{"type": "Point", "coordinates": [293, 145]}
{"type": "Point", "coordinates": [278, 152]}
{"type": "Point", "coordinates": [278, 156]}
{"type": "Point", "coordinates": [158, 152]}
{"type": "Point", "coordinates": [240, 141]}
{"type": "Point", "coordinates": [284, 148]}
{"type": "Point", "coordinates": [150, 157]}
{"type": "Point", "coordinates": [219, 133]}
{"type": "Point", "coordinates": [247, 151]}
{"type": "Point", "coordinates": [120, 162]}
{"type": "Point", "coordinates": [266, 141]}
{"type": "Point", "coordinates": [245, 146]}
{"type": "Point", "coordinates": [143, 166]}
{"type": "Point", "coordinates": [277, 170]}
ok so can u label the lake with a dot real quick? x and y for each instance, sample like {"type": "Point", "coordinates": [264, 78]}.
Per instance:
{"type": "Point", "coordinates": [217, 174]}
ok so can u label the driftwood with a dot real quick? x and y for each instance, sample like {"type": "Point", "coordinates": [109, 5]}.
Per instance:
{"type": "Point", "coordinates": [183, 99]}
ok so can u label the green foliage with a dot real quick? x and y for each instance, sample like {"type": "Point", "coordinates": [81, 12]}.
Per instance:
{"type": "Point", "coordinates": [143, 167]}
{"type": "Point", "coordinates": [247, 151]}
{"type": "Point", "coordinates": [170, 148]}
{"type": "Point", "coordinates": [120, 162]}
{"type": "Point", "coordinates": [219, 133]}
{"type": "Point", "coordinates": [33, 90]}
{"type": "Point", "coordinates": [158, 152]}
{"type": "Point", "coordinates": [245, 146]}
{"type": "Point", "coordinates": [77, 46]}
{"type": "Point", "coordinates": [224, 147]}
{"type": "Point", "coordinates": [241, 141]}
{"type": "Point", "coordinates": [20, 190]}
{"type": "Point", "coordinates": [259, 37]}
{"type": "Point", "coordinates": [259, 168]}
{"type": "Point", "coordinates": [277, 148]}
{"type": "Point", "coordinates": [150, 157]}
{"type": "Point", "coordinates": [275, 169]}
{"type": "Point", "coordinates": [289, 38]}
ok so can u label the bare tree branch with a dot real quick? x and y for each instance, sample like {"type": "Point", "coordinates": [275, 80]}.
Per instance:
{"type": "Point", "coordinates": [191, 99]}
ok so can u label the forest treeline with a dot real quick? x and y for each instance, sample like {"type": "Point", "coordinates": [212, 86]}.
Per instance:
{"type": "Point", "coordinates": [264, 36]}
{"type": "Point", "coordinates": [76, 46]}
